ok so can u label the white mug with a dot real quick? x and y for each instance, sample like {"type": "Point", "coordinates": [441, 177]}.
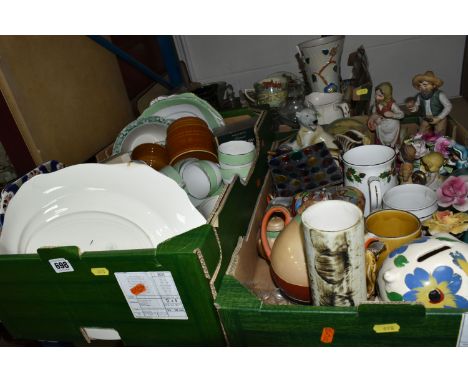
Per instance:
{"type": "Point", "coordinates": [371, 169]}
{"type": "Point", "coordinates": [328, 106]}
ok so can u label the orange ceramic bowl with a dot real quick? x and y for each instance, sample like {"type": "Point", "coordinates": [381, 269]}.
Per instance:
{"type": "Point", "coordinates": [190, 137]}
{"type": "Point", "coordinates": [152, 154]}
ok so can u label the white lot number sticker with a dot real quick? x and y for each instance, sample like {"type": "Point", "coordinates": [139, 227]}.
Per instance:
{"type": "Point", "coordinates": [152, 295]}
{"type": "Point", "coordinates": [463, 334]}
{"type": "Point", "coordinates": [61, 265]}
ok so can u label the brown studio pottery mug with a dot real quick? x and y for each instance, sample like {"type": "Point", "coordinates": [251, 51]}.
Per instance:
{"type": "Point", "coordinates": [335, 255]}
{"type": "Point", "coordinates": [190, 137]}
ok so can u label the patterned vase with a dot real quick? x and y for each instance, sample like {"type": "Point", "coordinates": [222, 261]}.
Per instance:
{"type": "Point", "coordinates": [322, 57]}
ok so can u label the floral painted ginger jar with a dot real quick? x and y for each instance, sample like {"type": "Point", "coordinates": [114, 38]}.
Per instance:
{"type": "Point", "coordinates": [429, 270]}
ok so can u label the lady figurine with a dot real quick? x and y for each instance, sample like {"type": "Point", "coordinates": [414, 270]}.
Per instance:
{"type": "Point", "coordinates": [385, 115]}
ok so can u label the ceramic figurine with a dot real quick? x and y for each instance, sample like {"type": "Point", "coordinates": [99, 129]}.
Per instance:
{"type": "Point", "coordinates": [458, 156]}
{"type": "Point", "coordinates": [407, 152]}
{"type": "Point", "coordinates": [385, 115]}
{"type": "Point", "coordinates": [431, 103]}
{"type": "Point", "coordinates": [431, 165]}
{"type": "Point", "coordinates": [406, 170]}
{"type": "Point", "coordinates": [358, 92]}
{"type": "Point", "coordinates": [433, 162]}
{"type": "Point", "coordinates": [310, 132]}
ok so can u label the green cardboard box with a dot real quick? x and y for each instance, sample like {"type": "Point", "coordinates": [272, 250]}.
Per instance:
{"type": "Point", "coordinates": [252, 315]}
{"type": "Point", "coordinates": [100, 299]}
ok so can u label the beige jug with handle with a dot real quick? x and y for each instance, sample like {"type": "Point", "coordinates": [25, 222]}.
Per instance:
{"type": "Point", "coordinates": [287, 256]}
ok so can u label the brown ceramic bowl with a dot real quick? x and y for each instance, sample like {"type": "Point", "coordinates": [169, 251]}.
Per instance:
{"type": "Point", "coordinates": [190, 137]}
{"type": "Point", "coordinates": [152, 154]}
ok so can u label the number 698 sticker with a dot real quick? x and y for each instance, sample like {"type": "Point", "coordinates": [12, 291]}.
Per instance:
{"type": "Point", "coordinates": [61, 265]}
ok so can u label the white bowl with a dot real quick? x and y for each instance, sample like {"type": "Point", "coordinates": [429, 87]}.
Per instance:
{"type": "Point", "coordinates": [236, 153]}
{"type": "Point", "coordinates": [415, 198]}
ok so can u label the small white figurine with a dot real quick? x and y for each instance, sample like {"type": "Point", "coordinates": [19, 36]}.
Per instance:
{"type": "Point", "coordinates": [310, 132]}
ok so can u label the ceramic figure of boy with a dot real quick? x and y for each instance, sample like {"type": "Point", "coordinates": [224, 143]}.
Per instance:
{"type": "Point", "coordinates": [432, 104]}
{"type": "Point", "coordinates": [385, 116]}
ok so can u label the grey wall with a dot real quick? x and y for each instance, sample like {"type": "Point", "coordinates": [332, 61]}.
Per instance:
{"type": "Point", "coordinates": [241, 60]}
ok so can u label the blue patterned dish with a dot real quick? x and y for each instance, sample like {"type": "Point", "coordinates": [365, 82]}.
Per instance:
{"type": "Point", "coordinates": [12, 188]}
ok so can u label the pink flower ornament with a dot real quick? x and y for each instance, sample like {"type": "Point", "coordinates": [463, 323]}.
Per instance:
{"type": "Point", "coordinates": [431, 137]}
{"type": "Point", "coordinates": [442, 145]}
{"type": "Point", "coordinates": [453, 192]}
{"type": "Point", "coordinates": [420, 147]}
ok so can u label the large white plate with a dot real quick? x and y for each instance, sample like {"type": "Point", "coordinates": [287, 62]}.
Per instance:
{"type": "Point", "coordinates": [143, 130]}
{"type": "Point", "coordinates": [184, 105]}
{"type": "Point", "coordinates": [97, 207]}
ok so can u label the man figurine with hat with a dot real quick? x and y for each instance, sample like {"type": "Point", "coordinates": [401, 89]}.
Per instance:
{"type": "Point", "coordinates": [432, 103]}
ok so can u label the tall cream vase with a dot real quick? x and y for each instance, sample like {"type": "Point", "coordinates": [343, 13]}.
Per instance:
{"type": "Point", "coordinates": [335, 255]}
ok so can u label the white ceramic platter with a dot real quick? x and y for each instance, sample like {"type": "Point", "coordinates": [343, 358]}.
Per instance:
{"type": "Point", "coordinates": [97, 207]}
{"type": "Point", "coordinates": [184, 105]}
{"type": "Point", "coordinates": [143, 130]}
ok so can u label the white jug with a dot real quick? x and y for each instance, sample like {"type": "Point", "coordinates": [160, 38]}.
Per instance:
{"type": "Point", "coordinates": [328, 106]}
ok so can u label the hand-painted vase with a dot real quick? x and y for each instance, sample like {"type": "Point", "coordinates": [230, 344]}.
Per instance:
{"type": "Point", "coordinates": [335, 255]}
{"type": "Point", "coordinates": [322, 57]}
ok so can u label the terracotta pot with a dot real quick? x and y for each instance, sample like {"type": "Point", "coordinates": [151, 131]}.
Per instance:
{"type": "Point", "coordinates": [152, 154]}
{"type": "Point", "coordinates": [190, 137]}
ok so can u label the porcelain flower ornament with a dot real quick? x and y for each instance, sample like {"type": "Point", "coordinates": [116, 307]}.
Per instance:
{"type": "Point", "coordinates": [442, 145]}
{"type": "Point", "coordinates": [453, 193]}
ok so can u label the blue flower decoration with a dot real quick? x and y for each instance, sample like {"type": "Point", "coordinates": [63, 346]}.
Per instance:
{"type": "Point", "coordinates": [460, 261]}
{"type": "Point", "coordinates": [421, 239]}
{"type": "Point", "coordinates": [331, 88]}
{"type": "Point", "coordinates": [398, 251]}
{"type": "Point", "coordinates": [436, 290]}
